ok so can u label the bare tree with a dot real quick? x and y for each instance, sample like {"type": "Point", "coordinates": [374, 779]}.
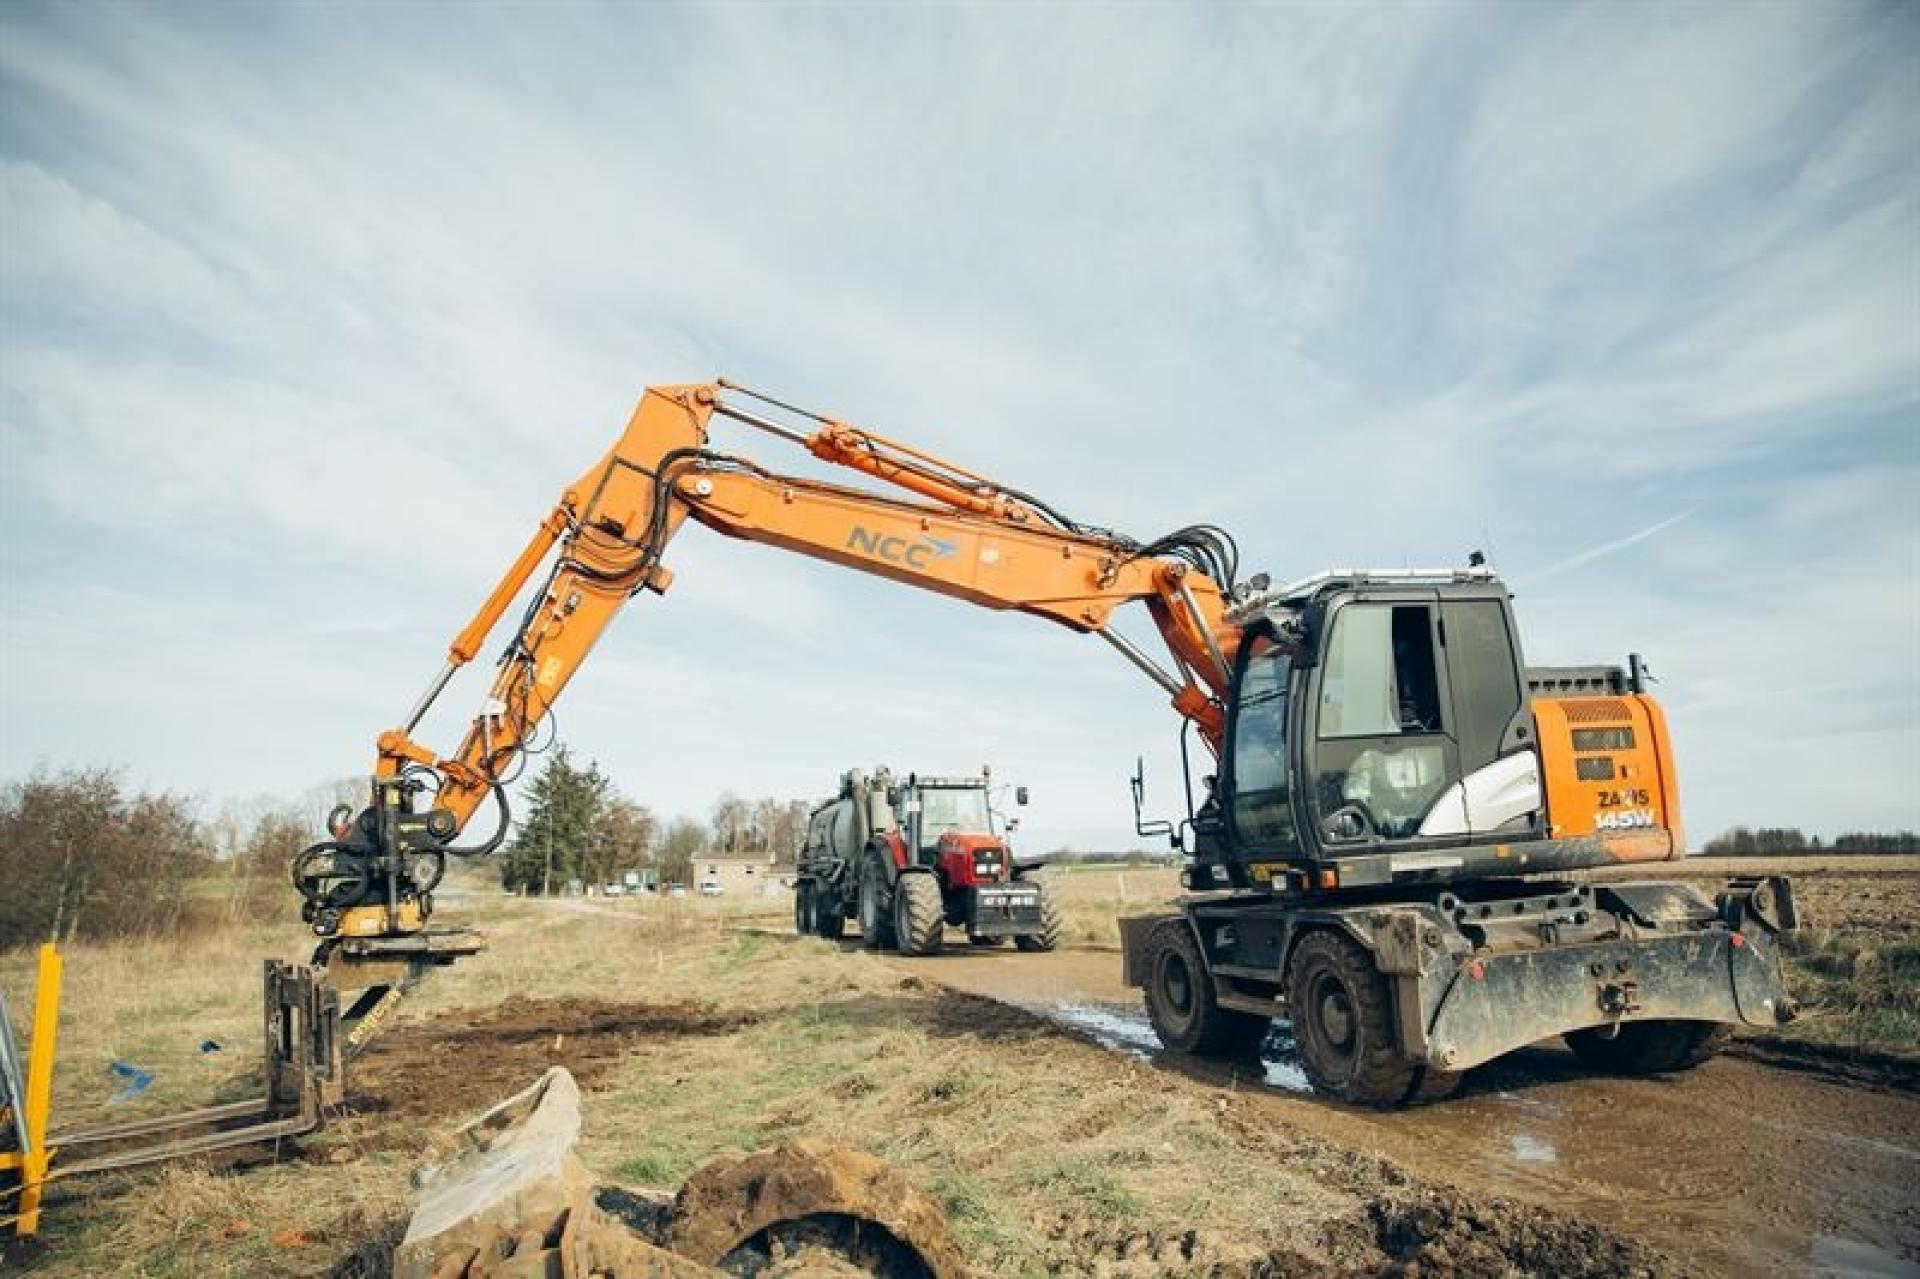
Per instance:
{"type": "Point", "coordinates": [732, 822]}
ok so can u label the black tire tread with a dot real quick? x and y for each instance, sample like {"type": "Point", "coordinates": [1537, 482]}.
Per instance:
{"type": "Point", "coordinates": [1657, 1047]}
{"type": "Point", "coordinates": [1048, 938]}
{"type": "Point", "coordinates": [919, 915]}
{"type": "Point", "coordinates": [873, 878]}
{"type": "Point", "coordinates": [1217, 1031]}
{"type": "Point", "coordinates": [1382, 1075]}
{"type": "Point", "coordinates": [829, 921]}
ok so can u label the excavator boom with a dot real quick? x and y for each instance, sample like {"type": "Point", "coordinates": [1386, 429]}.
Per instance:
{"type": "Point", "coordinates": [950, 531]}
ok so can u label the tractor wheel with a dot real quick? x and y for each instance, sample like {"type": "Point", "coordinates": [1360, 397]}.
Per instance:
{"type": "Point", "coordinates": [876, 912]}
{"type": "Point", "coordinates": [1648, 1047]}
{"type": "Point", "coordinates": [803, 908]}
{"type": "Point", "coordinates": [918, 914]}
{"type": "Point", "coordinates": [1180, 1001]}
{"type": "Point", "coordinates": [1343, 1022]}
{"type": "Point", "coordinates": [1049, 935]}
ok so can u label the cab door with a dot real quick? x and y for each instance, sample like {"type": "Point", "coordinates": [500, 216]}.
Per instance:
{"type": "Point", "coordinates": [1499, 764]}
{"type": "Point", "coordinates": [1383, 746]}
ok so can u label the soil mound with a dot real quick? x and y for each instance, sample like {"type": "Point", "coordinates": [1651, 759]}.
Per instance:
{"type": "Point", "coordinates": [465, 1061]}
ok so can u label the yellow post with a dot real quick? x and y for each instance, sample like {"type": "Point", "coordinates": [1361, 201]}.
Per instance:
{"type": "Point", "coordinates": [46, 1030]}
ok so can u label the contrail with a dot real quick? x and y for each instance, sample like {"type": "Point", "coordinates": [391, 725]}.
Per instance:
{"type": "Point", "coordinates": [1606, 548]}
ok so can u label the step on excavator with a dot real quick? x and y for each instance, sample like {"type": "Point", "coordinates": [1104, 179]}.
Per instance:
{"type": "Point", "coordinates": [1397, 811]}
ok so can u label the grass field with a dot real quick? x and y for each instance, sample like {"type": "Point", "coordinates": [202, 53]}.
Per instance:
{"type": "Point", "coordinates": [698, 1028]}
{"type": "Point", "coordinates": [694, 1039]}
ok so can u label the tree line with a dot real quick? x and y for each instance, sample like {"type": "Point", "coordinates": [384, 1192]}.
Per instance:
{"type": "Point", "coordinates": [577, 826]}
{"type": "Point", "coordinates": [1786, 841]}
{"type": "Point", "coordinates": [83, 855]}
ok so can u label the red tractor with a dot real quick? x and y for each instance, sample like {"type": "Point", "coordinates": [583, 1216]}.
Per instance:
{"type": "Point", "coordinates": [906, 859]}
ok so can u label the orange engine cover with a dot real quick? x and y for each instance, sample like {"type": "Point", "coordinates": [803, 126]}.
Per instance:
{"type": "Point", "coordinates": [1607, 766]}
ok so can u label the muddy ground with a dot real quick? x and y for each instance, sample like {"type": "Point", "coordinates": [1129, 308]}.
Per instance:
{"type": "Point", "coordinates": [1024, 1091]}
{"type": "Point", "coordinates": [1738, 1168]}
{"type": "Point", "coordinates": [1377, 1222]}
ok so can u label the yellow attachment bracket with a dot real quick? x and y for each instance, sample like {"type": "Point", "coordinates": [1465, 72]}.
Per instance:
{"type": "Point", "coordinates": [32, 1161]}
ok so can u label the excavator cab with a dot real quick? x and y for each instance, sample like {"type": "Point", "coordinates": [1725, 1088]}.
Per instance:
{"type": "Point", "coordinates": [1381, 729]}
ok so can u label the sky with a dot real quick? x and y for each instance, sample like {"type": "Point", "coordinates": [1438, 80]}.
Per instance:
{"type": "Point", "coordinates": [309, 312]}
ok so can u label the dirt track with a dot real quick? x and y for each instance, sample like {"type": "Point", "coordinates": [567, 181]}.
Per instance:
{"type": "Point", "coordinates": [1737, 1168]}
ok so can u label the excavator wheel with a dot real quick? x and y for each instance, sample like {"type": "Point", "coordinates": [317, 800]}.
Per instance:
{"type": "Point", "coordinates": [918, 914]}
{"type": "Point", "coordinates": [1343, 1023]}
{"type": "Point", "coordinates": [1049, 935]}
{"type": "Point", "coordinates": [1180, 1001]}
{"type": "Point", "coordinates": [876, 917]}
{"type": "Point", "coordinates": [1648, 1047]}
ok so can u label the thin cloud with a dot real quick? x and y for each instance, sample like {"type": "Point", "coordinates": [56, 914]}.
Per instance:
{"type": "Point", "coordinates": [318, 315]}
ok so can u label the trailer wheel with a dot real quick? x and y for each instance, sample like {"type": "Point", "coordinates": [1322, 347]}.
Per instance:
{"type": "Point", "coordinates": [1180, 1001]}
{"type": "Point", "coordinates": [1343, 1022]}
{"type": "Point", "coordinates": [828, 919]}
{"type": "Point", "coordinates": [876, 919]}
{"type": "Point", "coordinates": [1049, 935]}
{"type": "Point", "coordinates": [803, 908]}
{"type": "Point", "coordinates": [918, 918]}
{"type": "Point", "coordinates": [1648, 1047]}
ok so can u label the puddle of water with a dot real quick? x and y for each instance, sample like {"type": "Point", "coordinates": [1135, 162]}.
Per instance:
{"type": "Point", "coordinates": [1281, 1058]}
{"type": "Point", "coordinates": [1851, 1259]}
{"type": "Point", "coordinates": [1132, 1033]}
{"type": "Point", "coordinates": [1109, 1027]}
{"type": "Point", "coordinates": [1526, 1103]}
{"type": "Point", "coordinates": [1529, 1149]}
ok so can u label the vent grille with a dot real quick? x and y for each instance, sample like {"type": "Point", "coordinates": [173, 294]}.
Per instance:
{"type": "Point", "coordinates": [1597, 710]}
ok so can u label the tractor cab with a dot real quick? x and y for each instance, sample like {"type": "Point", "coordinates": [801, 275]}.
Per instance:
{"type": "Point", "coordinates": [929, 807]}
{"type": "Point", "coordinates": [1379, 730]}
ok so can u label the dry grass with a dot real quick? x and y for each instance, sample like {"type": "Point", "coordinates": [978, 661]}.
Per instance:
{"type": "Point", "coordinates": [1042, 1146]}
{"type": "Point", "coordinates": [1094, 898]}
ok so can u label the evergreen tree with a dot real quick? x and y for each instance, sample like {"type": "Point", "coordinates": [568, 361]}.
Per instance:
{"type": "Point", "coordinates": [555, 841]}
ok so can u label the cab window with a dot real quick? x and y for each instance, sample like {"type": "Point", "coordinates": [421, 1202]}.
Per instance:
{"type": "Point", "coordinates": [1262, 795]}
{"type": "Point", "coordinates": [1382, 753]}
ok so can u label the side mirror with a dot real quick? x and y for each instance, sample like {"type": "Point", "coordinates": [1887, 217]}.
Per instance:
{"type": "Point", "coordinates": [1141, 826]}
{"type": "Point", "coordinates": [1020, 796]}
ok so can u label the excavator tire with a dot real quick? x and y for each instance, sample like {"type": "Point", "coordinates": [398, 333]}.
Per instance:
{"type": "Point", "coordinates": [1180, 1001]}
{"type": "Point", "coordinates": [1050, 924]}
{"type": "Point", "coordinates": [876, 915]}
{"type": "Point", "coordinates": [918, 914]}
{"type": "Point", "coordinates": [1343, 1023]}
{"type": "Point", "coordinates": [1435, 1085]}
{"type": "Point", "coordinates": [1649, 1047]}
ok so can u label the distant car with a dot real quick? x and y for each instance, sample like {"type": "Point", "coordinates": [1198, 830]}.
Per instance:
{"type": "Point", "coordinates": [710, 888]}
{"type": "Point", "coordinates": [679, 890]}
{"type": "Point", "coordinates": [613, 890]}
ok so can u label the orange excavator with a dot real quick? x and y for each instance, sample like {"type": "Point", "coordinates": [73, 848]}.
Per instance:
{"type": "Point", "coordinates": [1384, 851]}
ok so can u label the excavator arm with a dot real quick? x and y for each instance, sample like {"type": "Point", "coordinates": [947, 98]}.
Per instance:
{"type": "Point", "coordinates": [957, 534]}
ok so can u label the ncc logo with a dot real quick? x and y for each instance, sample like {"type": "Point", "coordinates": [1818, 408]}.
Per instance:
{"type": "Point", "coordinates": [898, 550]}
